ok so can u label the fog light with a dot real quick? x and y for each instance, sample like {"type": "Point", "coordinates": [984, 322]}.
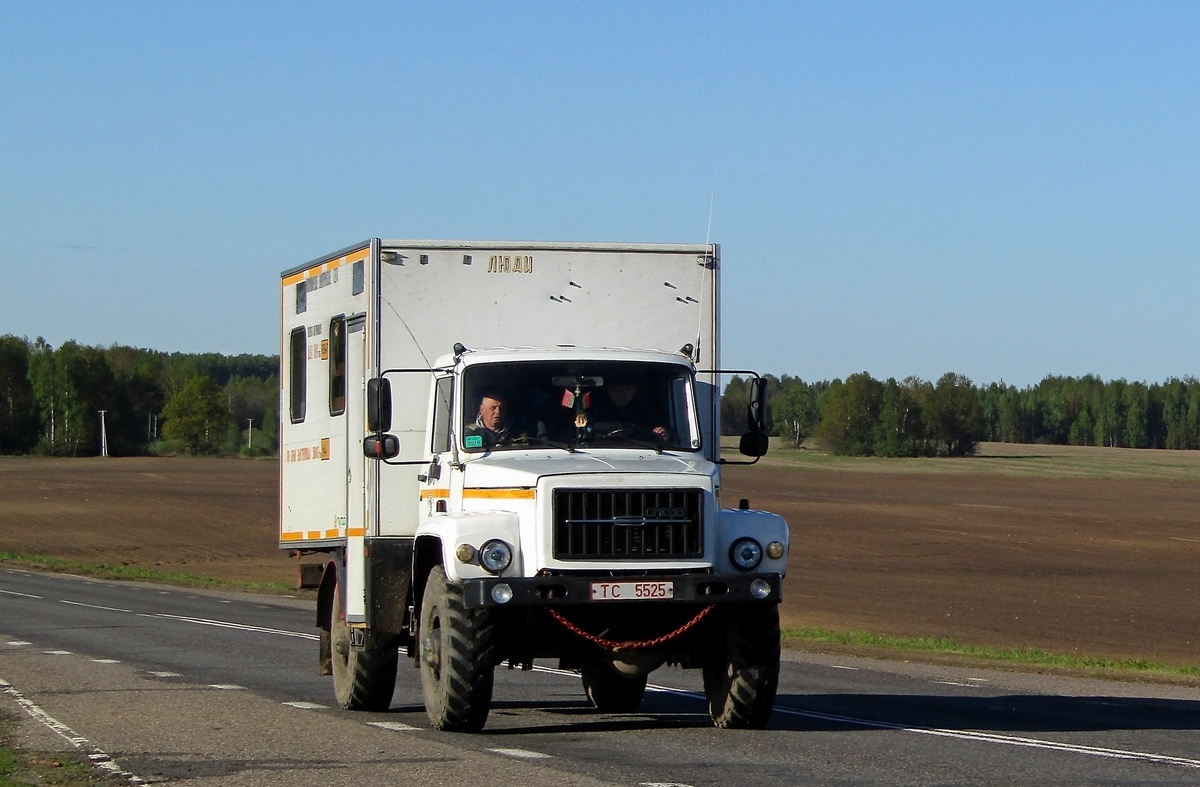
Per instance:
{"type": "Point", "coordinates": [774, 550]}
{"type": "Point", "coordinates": [495, 556]}
{"type": "Point", "coordinates": [465, 553]}
{"type": "Point", "coordinates": [502, 593]}
{"type": "Point", "coordinates": [759, 588]}
{"type": "Point", "coordinates": [746, 554]}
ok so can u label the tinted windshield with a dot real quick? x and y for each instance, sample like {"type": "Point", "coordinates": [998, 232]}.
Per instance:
{"type": "Point", "coordinates": [578, 404]}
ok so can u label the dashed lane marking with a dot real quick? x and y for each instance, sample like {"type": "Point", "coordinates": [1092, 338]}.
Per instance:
{"type": "Point", "coordinates": [96, 606]}
{"type": "Point", "coordinates": [307, 705]}
{"type": "Point", "coordinates": [523, 754]}
{"type": "Point", "coordinates": [15, 593]}
{"type": "Point", "coordinates": [394, 726]}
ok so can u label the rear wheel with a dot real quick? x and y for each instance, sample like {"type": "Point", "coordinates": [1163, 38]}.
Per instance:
{"type": "Point", "coordinates": [363, 679]}
{"type": "Point", "coordinates": [457, 657]}
{"type": "Point", "coordinates": [740, 682]}
{"type": "Point", "coordinates": [610, 692]}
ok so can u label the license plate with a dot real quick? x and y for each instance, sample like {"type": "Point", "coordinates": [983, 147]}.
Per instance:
{"type": "Point", "coordinates": [632, 591]}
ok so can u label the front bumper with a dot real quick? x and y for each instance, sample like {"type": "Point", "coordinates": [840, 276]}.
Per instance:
{"type": "Point", "coordinates": [555, 591]}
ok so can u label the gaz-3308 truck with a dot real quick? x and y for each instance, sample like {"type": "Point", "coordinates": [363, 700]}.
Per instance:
{"type": "Point", "coordinates": [496, 452]}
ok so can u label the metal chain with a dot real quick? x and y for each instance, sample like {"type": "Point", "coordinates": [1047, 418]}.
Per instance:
{"type": "Point", "coordinates": [613, 645]}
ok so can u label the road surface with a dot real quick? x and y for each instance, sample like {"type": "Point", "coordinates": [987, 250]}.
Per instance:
{"type": "Point", "coordinates": [161, 684]}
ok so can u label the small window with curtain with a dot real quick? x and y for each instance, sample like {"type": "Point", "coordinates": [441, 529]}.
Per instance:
{"type": "Point", "coordinates": [337, 366]}
{"type": "Point", "coordinates": [297, 373]}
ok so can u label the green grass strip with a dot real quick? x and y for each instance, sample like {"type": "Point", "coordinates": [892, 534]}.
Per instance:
{"type": "Point", "coordinates": [1016, 656]}
{"type": "Point", "coordinates": [138, 574]}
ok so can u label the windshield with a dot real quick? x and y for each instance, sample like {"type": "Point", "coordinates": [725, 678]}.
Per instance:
{"type": "Point", "coordinates": [575, 404]}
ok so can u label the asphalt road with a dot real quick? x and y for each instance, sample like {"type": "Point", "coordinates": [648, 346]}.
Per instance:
{"type": "Point", "coordinates": [161, 684]}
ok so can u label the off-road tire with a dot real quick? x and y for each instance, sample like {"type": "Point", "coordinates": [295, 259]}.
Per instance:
{"type": "Point", "coordinates": [457, 656]}
{"type": "Point", "coordinates": [610, 692]}
{"type": "Point", "coordinates": [362, 679]}
{"type": "Point", "coordinates": [740, 683]}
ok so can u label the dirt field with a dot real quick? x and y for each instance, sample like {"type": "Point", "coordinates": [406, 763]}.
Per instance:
{"type": "Point", "coordinates": [1086, 552]}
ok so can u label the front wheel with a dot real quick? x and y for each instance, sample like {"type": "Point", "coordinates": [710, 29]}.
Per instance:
{"type": "Point", "coordinates": [362, 679]}
{"type": "Point", "coordinates": [457, 657]}
{"type": "Point", "coordinates": [610, 692]}
{"type": "Point", "coordinates": [740, 681]}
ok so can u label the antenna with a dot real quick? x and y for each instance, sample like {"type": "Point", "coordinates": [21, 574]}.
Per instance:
{"type": "Point", "coordinates": [708, 233]}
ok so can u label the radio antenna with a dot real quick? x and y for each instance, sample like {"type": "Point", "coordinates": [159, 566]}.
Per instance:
{"type": "Point", "coordinates": [708, 232]}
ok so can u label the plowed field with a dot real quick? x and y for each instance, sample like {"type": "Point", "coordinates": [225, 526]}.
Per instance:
{"type": "Point", "coordinates": [1084, 551]}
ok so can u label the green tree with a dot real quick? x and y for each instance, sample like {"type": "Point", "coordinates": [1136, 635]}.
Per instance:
{"type": "Point", "coordinates": [18, 408]}
{"type": "Point", "coordinates": [794, 410]}
{"type": "Point", "coordinates": [954, 418]}
{"type": "Point", "coordinates": [198, 415]}
{"type": "Point", "coordinates": [850, 416]}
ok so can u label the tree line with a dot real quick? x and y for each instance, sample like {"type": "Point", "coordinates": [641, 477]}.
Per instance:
{"type": "Point", "coordinates": [863, 416]}
{"type": "Point", "coordinates": [76, 400]}
{"type": "Point", "coordinates": [51, 400]}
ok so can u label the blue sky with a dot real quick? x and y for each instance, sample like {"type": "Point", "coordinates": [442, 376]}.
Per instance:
{"type": "Point", "coordinates": [1005, 191]}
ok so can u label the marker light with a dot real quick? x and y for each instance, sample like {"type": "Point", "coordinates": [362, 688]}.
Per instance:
{"type": "Point", "coordinates": [465, 553]}
{"type": "Point", "coordinates": [760, 588]}
{"type": "Point", "coordinates": [775, 550]}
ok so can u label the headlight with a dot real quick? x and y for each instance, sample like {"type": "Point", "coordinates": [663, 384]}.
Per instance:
{"type": "Point", "coordinates": [495, 556]}
{"type": "Point", "coordinates": [746, 554]}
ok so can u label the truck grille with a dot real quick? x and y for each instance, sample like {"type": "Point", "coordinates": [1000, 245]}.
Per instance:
{"type": "Point", "coordinates": [648, 524]}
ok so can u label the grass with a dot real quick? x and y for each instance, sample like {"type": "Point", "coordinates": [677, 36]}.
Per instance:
{"type": "Point", "coordinates": [21, 768]}
{"type": "Point", "coordinates": [137, 574]}
{"type": "Point", "coordinates": [1007, 459]}
{"type": "Point", "coordinates": [877, 644]}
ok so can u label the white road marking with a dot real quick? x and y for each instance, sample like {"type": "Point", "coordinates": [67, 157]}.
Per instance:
{"type": "Point", "coordinates": [96, 606]}
{"type": "Point", "coordinates": [15, 593]}
{"type": "Point", "coordinates": [306, 705]}
{"type": "Point", "coordinates": [839, 666]}
{"type": "Point", "coordinates": [106, 661]}
{"type": "Point", "coordinates": [98, 757]}
{"type": "Point", "coordinates": [395, 726]}
{"type": "Point", "coordinates": [966, 735]}
{"type": "Point", "coordinates": [57, 652]}
{"type": "Point", "coordinates": [239, 626]}
{"type": "Point", "coordinates": [164, 674]}
{"type": "Point", "coordinates": [226, 686]}
{"type": "Point", "coordinates": [523, 754]}
{"type": "Point", "coordinates": [16, 643]}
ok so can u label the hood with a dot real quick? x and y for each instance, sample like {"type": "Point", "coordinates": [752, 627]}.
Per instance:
{"type": "Point", "coordinates": [524, 468]}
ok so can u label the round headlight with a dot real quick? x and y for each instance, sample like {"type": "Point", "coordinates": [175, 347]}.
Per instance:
{"type": "Point", "coordinates": [495, 556]}
{"type": "Point", "coordinates": [746, 554]}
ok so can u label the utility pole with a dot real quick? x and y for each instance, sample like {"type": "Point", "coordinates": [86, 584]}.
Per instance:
{"type": "Point", "coordinates": [103, 435]}
{"type": "Point", "coordinates": [250, 434]}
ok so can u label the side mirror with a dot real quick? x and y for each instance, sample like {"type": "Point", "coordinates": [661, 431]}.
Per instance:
{"type": "Point", "coordinates": [756, 411]}
{"type": "Point", "coordinates": [754, 443]}
{"type": "Point", "coordinates": [381, 446]}
{"type": "Point", "coordinates": [379, 405]}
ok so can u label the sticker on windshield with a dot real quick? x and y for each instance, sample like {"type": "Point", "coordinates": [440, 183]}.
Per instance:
{"type": "Point", "coordinates": [473, 441]}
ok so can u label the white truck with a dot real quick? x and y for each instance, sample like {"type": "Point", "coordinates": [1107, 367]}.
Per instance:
{"type": "Point", "coordinates": [509, 451]}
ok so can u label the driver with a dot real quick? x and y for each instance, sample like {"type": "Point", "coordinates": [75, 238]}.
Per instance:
{"type": "Point", "coordinates": [621, 408]}
{"type": "Point", "coordinates": [490, 424]}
